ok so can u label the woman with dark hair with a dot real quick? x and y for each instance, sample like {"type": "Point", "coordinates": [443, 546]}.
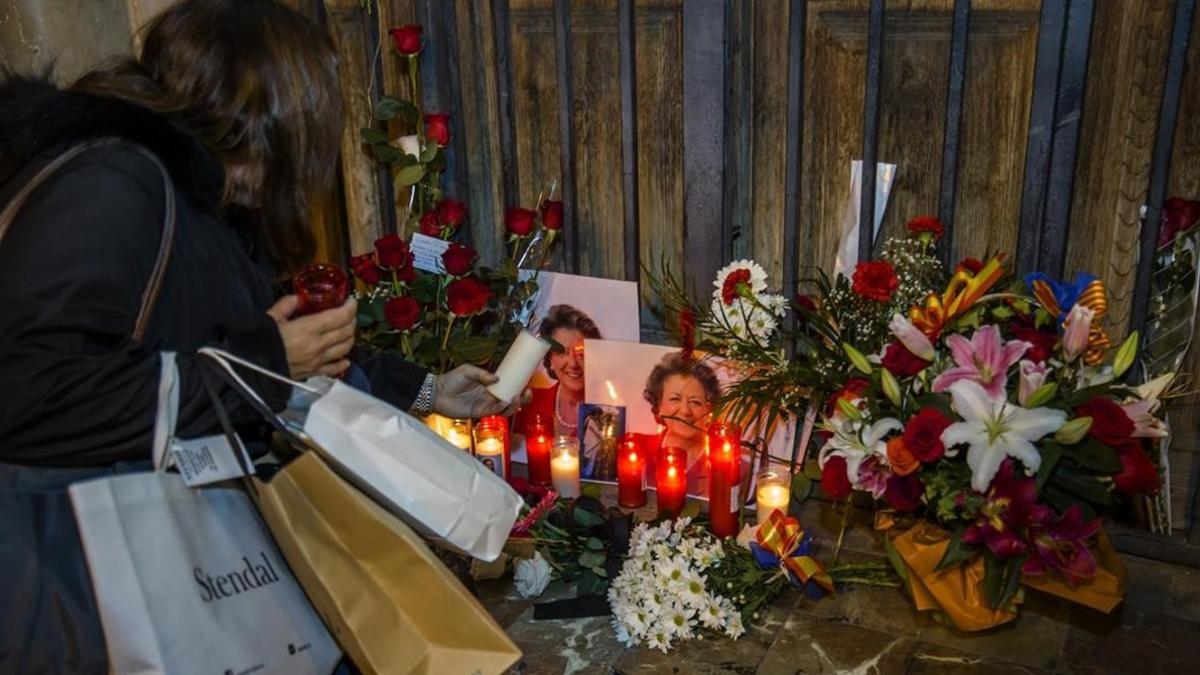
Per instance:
{"type": "Point", "coordinates": [681, 392]}
{"type": "Point", "coordinates": [568, 327]}
{"type": "Point", "coordinates": [227, 125]}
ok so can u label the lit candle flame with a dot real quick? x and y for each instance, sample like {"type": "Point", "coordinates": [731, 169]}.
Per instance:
{"type": "Point", "coordinates": [633, 457]}
{"type": "Point", "coordinates": [671, 472]}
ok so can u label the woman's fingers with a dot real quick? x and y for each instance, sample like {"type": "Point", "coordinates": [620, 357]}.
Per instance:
{"type": "Point", "coordinates": [334, 369]}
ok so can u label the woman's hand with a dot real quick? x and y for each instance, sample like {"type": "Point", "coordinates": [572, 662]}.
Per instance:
{"type": "Point", "coordinates": [462, 393]}
{"type": "Point", "coordinates": [316, 344]}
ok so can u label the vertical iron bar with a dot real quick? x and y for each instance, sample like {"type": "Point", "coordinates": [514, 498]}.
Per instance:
{"type": "Point", "coordinates": [507, 117]}
{"type": "Point", "coordinates": [566, 131]}
{"type": "Point", "coordinates": [1051, 34]}
{"type": "Point", "coordinates": [866, 211]}
{"type": "Point", "coordinates": [797, 24]}
{"type": "Point", "coordinates": [383, 172]}
{"type": "Point", "coordinates": [627, 33]}
{"type": "Point", "coordinates": [959, 32]}
{"type": "Point", "coordinates": [704, 92]}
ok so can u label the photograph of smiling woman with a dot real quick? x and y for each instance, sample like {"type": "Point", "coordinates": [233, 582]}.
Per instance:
{"type": "Point", "coordinates": [681, 392]}
{"type": "Point", "coordinates": [559, 403]}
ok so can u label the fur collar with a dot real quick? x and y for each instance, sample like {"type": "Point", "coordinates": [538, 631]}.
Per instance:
{"type": "Point", "coordinates": [36, 116]}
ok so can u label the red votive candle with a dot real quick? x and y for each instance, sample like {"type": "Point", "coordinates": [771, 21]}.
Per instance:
{"type": "Point", "coordinates": [724, 455]}
{"type": "Point", "coordinates": [631, 474]}
{"type": "Point", "coordinates": [319, 287]}
{"type": "Point", "coordinates": [538, 440]}
{"type": "Point", "coordinates": [670, 481]}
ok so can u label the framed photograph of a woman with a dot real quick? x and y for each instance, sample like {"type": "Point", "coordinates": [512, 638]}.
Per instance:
{"type": "Point", "coordinates": [602, 427]}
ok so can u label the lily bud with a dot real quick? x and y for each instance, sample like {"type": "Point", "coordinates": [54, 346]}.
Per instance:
{"type": "Point", "coordinates": [891, 388]}
{"type": "Point", "coordinates": [857, 359]}
{"type": "Point", "coordinates": [849, 409]}
{"type": "Point", "coordinates": [1033, 376]}
{"type": "Point", "coordinates": [1042, 395]}
{"type": "Point", "coordinates": [1125, 355]}
{"type": "Point", "coordinates": [1075, 331]}
{"type": "Point", "coordinates": [911, 337]}
{"type": "Point", "coordinates": [1072, 432]}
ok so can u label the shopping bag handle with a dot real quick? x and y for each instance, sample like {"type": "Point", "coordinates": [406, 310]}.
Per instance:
{"type": "Point", "coordinates": [239, 451]}
{"type": "Point", "coordinates": [167, 412]}
{"type": "Point", "coordinates": [226, 360]}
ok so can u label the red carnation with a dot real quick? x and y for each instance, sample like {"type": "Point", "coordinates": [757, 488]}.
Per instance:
{"type": "Point", "coordinates": [969, 265]}
{"type": "Point", "coordinates": [1110, 424]}
{"type": "Point", "coordinates": [926, 224]}
{"type": "Point", "coordinates": [875, 280]}
{"type": "Point", "coordinates": [834, 480]}
{"type": "Point", "coordinates": [393, 251]}
{"type": "Point", "coordinates": [437, 128]}
{"type": "Point", "coordinates": [903, 493]}
{"type": "Point", "coordinates": [457, 259]}
{"type": "Point", "coordinates": [430, 225]}
{"type": "Point", "coordinates": [451, 212]}
{"type": "Point", "coordinates": [519, 221]}
{"type": "Point", "coordinates": [735, 279]}
{"type": "Point", "coordinates": [402, 313]}
{"type": "Point", "coordinates": [552, 215]}
{"type": "Point", "coordinates": [407, 39]}
{"type": "Point", "coordinates": [923, 435]}
{"type": "Point", "coordinates": [901, 362]}
{"type": "Point", "coordinates": [1138, 474]}
{"type": "Point", "coordinates": [467, 296]}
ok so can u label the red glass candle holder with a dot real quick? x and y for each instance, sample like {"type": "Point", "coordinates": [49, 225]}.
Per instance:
{"type": "Point", "coordinates": [539, 438]}
{"type": "Point", "coordinates": [631, 474]}
{"type": "Point", "coordinates": [319, 287]}
{"type": "Point", "coordinates": [724, 464]}
{"type": "Point", "coordinates": [670, 481]}
{"type": "Point", "coordinates": [491, 444]}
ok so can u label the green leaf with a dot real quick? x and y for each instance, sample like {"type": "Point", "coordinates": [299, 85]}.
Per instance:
{"type": "Point", "coordinates": [429, 153]}
{"type": "Point", "coordinates": [374, 136]}
{"type": "Point", "coordinates": [410, 175]}
{"type": "Point", "coordinates": [802, 487]}
{"type": "Point", "coordinates": [1001, 579]}
{"type": "Point", "coordinates": [591, 559]}
{"type": "Point", "coordinates": [690, 510]}
{"type": "Point", "coordinates": [590, 583]}
{"type": "Point", "coordinates": [594, 544]}
{"type": "Point", "coordinates": [1081, 485]}
{"type": "Point", "coordinates": [1051, 452]}
{"type": "Point", "coordinates": [390, 108]}
{"type": "Point", "coordinates": [1061, 501]}
{"type": "Point", "coordinates": [1094, 455]}
{"type": "Point", "coordinates": [591, 489]}
{"type": "Point", "coordinates": [939, 402]}
{"type": "Point", "coordinates": [812, 469]}
{"type": "Point", "coordinates": [1042, 395]}
{"type": "Point", "coordinates": [894, 557]}
{"type": "Point", "coordinates": [956, 552]}
{"type": "Point", "coordinates": [599, 571]}
{"type": "Point", "coordinates": [476, 350]}
{"type": "Point", "coordinates": [586, 518]}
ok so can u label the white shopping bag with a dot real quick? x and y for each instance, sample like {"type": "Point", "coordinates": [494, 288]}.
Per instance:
{"type": "Point", "coordinates": [404, 466]}
{"type": "Point", "coordinates": [189, 580]}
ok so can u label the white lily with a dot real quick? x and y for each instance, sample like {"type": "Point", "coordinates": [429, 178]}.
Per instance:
{"type": "Point", "coordinates": [994, 429]}
{"type": "Point", "coordinates": [855, 442]}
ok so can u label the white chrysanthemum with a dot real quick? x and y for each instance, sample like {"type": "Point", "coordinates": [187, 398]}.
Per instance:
{"type": "Point", "coordinates": [775, 303]}
{"type": "Point", "coordinates": [745, 320]}
{"type": "Point", "coordinates": [733, 626]}
{"type": "Point", "coordinates": [679, 620]}
{"type": "Point", "coordinates": [659, 639]}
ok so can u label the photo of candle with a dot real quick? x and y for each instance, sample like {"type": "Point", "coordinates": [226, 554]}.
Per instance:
{"type": "Point", "coordinates": [319, 287]}
{"type": "Point", "coordinates": [458, 433]}
{"type": "Point", "coordinates": [491, 443]}
{"type": "Point", "coordinates": [671, 481]}
{"type": "Point", "coordinates": [518, 365]}
{"type": "Point", "coordinates": [564, 466]}
{"type": "Point", "coordinates": [724, 462]}
{"type": "Point", "coordinates": [774, 494]}
{"type": "Point", "coordinates": [631, 474]}
{"type": "Point", "coordinates": [538, 440]}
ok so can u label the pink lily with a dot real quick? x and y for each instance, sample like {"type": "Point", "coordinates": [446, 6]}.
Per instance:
{"type": "Point", "coordinates": [1076, 329]}
{"type": "Point", "coordinates": [1145, 424]}
{"type": "Point", "coordinates": [1033, 376]}
{"type": "Point", "coordinates": [1059, 544]}
{"type": "Point", "coordinates": [911, 337]}
{"type": "Point", "coordinates": [984, 359]}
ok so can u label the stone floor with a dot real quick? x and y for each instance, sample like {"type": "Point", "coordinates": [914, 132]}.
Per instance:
{"type": "Point", "coordinates": [866, 630]}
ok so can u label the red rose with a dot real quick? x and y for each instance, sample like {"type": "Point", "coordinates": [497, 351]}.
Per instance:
{"type": "Point", "coordinates": [1110, 424]}
{"type": "Point", "coordinates": [458, 259]}
{"type": "Point", "coordinates": [407, 39]}
{"type": "Point", "coordinates": [901, 362]}
{"type": "Point", "coordinates": [903, 493]}
{"type": "Point", "coordinates": [926, 224]}
{"type": "Point", "coordinates": [969, 265]}
{"type": "Point", "coordinates": [364, 268]}
{"type": "Point", "coordinates": [402, 313]}
{"type": "Point", "coordinates": [875, 280]}
{"type": "Point", "coordinates": [852, 389]}
{"type": "Point", "coordinates": [393, 251]}
{"type": "Point", "coordinates": [1178, 215]}
{"type": "Point", "coordinates": [834, 481]}
{"type": "Point", "coordinates": [1138, 474]}
{"type": "Point", "coordinates": [552, 215]}
{"type": "Point", "coordinates": [437, 128]}
{"type": "Point", "coordinates": [467, 296]}
{"type": "Point", "coordinates": [923, 435]}
{"type": "Point", "coordinates": [450, 212]}
{"type": "Point", "coordinates": [430, 225]}
{"type": "Point", "coordinates": [1042, 341]}
{"type": "Point", "coordinates": [519, 221]}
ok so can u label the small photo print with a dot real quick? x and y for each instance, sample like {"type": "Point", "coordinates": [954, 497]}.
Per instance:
{"type": "Point", "coordinates": [601, 428]}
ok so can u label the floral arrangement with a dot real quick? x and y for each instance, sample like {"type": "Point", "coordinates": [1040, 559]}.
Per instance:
{"type": "Point", "coordinates": [459, 311]}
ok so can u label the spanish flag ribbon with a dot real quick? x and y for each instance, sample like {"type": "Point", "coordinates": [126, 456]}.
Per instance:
{"type": "Point", "coordinates": [1091, 293]}
{"type": "Point", "coordinates": [784, 539]}
{"type": "Point", "coordinates": [963, 291]}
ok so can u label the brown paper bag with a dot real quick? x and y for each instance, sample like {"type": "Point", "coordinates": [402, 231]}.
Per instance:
{"type": "Point", "coordinates": [390, 603]}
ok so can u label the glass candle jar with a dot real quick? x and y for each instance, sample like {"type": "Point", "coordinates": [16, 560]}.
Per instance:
{"type": "Point", "coordinates": [564, 466]}
{"type": "Point", "coordinates": [724, 474]}
{"type": "Point", "coordinates": [458, 432]}
{"type": "Point", "coordinates": [319, 287]}
{"type": "Point", "coordinates": [539, 438]}
{"type": "Point", "coordinates": [774, 493]}
{"type": "Point", "coordinates": [491, 444]}
{"type": "Point", "coordinates": [670, 481]}
{"type": "Point", "coordinates": [631, 474]}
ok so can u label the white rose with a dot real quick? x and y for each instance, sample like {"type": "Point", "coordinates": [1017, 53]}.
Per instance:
{"type": "Point", "coordinates": [410, 145]}
{"type": "Point", "coordinates": [531, 575]}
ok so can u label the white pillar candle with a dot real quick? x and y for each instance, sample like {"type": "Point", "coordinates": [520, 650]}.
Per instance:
{"type": "Point", "coordinates": [518, 365]}
{"type": "Point", "coordinates": [564, 467]}
{"type": "Point", "coordinates": [773, 494]}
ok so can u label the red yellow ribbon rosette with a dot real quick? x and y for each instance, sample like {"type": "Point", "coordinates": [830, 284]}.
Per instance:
{"type": "Point", "coordinates": [784, 539]}
{"type": "Point", "coordinates": [963, 291]}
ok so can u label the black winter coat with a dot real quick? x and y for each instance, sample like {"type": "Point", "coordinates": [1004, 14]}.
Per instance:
{"type": "Point", "coordinates": [75, 388]}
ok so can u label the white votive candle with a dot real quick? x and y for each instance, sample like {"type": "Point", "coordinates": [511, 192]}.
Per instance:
{"type": "Point", "coordinates": [564, 466]}
{"type": "Point", "coordinates": [518, 365]}
{"type": "Point", "coordinates": [458, 433]}
{"type": "Point", "coordinates": [773, 494]}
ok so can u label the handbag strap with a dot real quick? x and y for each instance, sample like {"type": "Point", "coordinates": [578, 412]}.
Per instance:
{"type": "Point", "coordinates": [154, 283]}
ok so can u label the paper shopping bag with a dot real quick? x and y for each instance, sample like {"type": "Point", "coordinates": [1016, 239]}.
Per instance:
{"type": "Point", "coordinates": [189, 581]}
{"type": "Point", "coordinates": [391, 604]}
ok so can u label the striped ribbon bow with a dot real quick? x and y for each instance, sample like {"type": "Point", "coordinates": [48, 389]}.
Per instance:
{"type": "Point", "coordinates": [786, 544]}
{"type": "Point", "coordinates": [963, 291]}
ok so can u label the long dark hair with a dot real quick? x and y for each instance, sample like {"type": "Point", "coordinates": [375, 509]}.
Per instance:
{"type": "Point", "coordinates": [257, 83]}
